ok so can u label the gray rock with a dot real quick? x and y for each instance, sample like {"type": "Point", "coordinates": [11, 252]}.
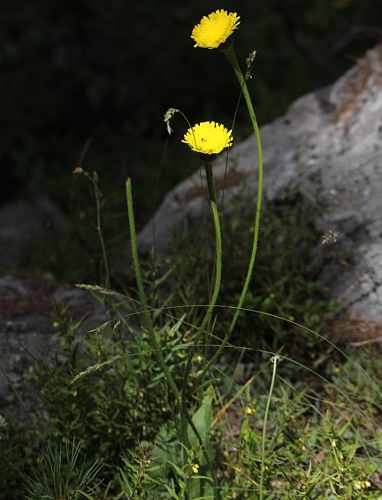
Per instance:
{"type": "Point", "coordinates": [327, 148]}
{"type": "Point", "coordinates": [22, 220]}
{"type": "Point", "coordinates": [12, 286]}
{"type": "Point", "coordinates": [26, 337]}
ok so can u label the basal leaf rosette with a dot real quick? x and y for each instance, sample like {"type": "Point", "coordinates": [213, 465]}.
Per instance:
{"type": "Point", "coordinates": [213, 30]}
{"type": "Point", "coordinates": [208, 138]}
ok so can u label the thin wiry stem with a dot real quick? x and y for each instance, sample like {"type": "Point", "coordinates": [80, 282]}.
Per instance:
{"type": "Point", "coordinates": [275, 359]}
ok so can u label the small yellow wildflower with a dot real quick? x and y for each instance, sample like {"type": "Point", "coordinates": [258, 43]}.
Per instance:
{"type": "Point", "coordinates": [208, 138]}
{"type": "Point", "coordinates": [195, 468]}
{"type": "Point", "coordinates": [361, 485]}
{"type": "Point", "coordinates": [214, 30]}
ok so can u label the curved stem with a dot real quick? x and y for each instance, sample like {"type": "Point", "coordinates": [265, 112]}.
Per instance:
{"type": "Point", "coordinates": [230, 54]}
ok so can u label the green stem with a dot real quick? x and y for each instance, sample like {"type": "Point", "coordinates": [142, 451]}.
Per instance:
{"type": "Point", "coordinates": [146, 314]}
{"type": "Point", "coordinates": [217, 279]}
{"type": "Point", "coordinates": [230, 54]}
{"type": "Point", "coordinates": [275, 359]}
{"type": "Point", "coordinates": [210, 181]}
{"type": "Point", "coordinates": [99, 229]}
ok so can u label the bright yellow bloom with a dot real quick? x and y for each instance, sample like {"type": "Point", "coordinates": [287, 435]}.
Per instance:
{"type": "Point", "coordinates": [215, 29]}
{"type": "Point", "coordinates": [208, 138]}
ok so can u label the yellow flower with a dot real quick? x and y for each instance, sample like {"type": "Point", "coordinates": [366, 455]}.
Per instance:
{"type": "Point", "coordinates": [195, 468]}
{"type": "Point", "coordinates": [215, 29]}
{"type": "Point", "coordinates": [208, 138]}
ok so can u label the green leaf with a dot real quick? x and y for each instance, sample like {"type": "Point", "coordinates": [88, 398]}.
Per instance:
{"type": "Point", "coordinates": [202, 421]}
{"type": "Point", "coordinates": [171, 491]}
{"type": "Point", "coordinates": [164, 452]}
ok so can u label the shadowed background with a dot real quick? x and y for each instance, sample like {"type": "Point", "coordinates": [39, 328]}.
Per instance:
{"type": "Point", "coordinates": [108, 70]}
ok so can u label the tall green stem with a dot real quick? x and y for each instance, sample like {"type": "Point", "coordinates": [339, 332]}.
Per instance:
{"type": "Point", "coordinates": [146, 314]}
{"type": "Point", "coordinates": [230, 54]}
{"type": "Point", "coordinates": [212, 303]}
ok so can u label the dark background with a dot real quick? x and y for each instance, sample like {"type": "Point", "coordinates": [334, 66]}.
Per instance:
{"type": "Point", "coordinates": [109, 69]}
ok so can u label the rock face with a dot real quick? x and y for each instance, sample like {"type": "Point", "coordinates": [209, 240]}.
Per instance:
{"type": "Point", "coordinates": [22, 220]}
{"type": "Point", "coordinates": [327, 148]}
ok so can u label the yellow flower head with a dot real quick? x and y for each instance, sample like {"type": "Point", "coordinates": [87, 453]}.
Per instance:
{"type": "Point", "coordinates": [215, 29]}
{"type": "Point", "coordinates": [208, 138]}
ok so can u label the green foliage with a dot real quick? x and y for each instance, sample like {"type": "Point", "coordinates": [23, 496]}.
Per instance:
{"type": "Point", "coordinates": [283, 283]}
{"type": "Point", "coordinates": [19, 449]}
{"type": "Point", "coordinates": [109, 406]}
{"type": "Point", "coordinates": [61, 477]}
{"type": "Point", "coordinates": [316, 447]}
{"type": "Point", "coordinates": [135, 479]}
{"type": "Point", "coordinates": [169, 455]}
